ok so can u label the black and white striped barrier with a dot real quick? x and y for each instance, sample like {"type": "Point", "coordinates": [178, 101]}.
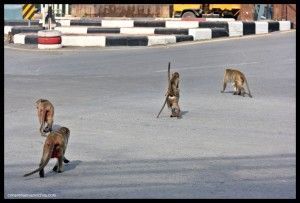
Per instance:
{"type": "Point", "coordinates": [235, 28]}
{"type": "Point", "coordinates": [158, 22]}
{"type": "Point", "coordinates": [153, 36]}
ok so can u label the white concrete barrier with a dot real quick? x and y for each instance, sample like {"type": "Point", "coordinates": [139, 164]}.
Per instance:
{"type": "Point", "coordinates": [49, 46]}
{"type": "Point", "coordinates": [200, 33]}
{"type": "Point", "coordinates": [158, 40]}
{"type": "Point", "coordinates": [117, 23]}
{"type": "Point", "coordinates": [7, 29]}
{"type": "Point", "coordinates": [235, 28]}
{"type": "Point", "coordinates": [284, 25]}
{"type": "Point", "coordinates": [83, 41]}
{"type": "Point", "coordinates": [137, 30]}
{"type": "Point", "coordinates": [19, 38]}
{"type": "Point", "coordinates": [261, 27]}
{"type": "Point", "coordinates": [64, 22]}
{"type": "Point", "coordinates": [72, 30]}
{"type": "Point", "coordinates": [182, 24]}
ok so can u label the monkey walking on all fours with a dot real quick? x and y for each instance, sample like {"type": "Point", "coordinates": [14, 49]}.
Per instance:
{"type": "Point", "coordinates": [54, 147]}
{"type": "Point", "coordinates": [237, 78]}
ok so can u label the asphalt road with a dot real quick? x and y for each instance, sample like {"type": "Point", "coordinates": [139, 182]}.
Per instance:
{"type": "Point", "coordinates": [224, 146]}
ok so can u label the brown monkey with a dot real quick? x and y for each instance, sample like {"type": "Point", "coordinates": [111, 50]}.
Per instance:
{"type": "Point", "coordinates": [45, 111]}
{"type": "Point", "coordinates": [54, 147]}
{"type": "Point", "coordinates": [172, 94]}
{"type": "Point", "coordinates": [237, 79]}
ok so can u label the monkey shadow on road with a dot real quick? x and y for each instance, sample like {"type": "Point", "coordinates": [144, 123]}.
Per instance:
{"type": "Point", "coordinates": [231, 92]}
{"type": "Point", "coordinates": [72, 165]}
{"type": "Point", "coordinates": [184, 112]}
{"type": "Point", "coordinates": [67, 167]}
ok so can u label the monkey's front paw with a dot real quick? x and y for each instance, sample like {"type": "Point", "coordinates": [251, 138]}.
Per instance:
{"type": "Point", "coordinates": [59, 171]}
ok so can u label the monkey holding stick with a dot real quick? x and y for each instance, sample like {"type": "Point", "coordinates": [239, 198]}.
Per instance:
{"type": "Point", "coordinates": [172, 94]}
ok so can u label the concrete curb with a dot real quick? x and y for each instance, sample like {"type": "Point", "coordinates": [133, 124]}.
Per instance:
{"type": "Point", "coordinates": [148, 36]}
{"type": "Point", "coordinates": [235, 28]}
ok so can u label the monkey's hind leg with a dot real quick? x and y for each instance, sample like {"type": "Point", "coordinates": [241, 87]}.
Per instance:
{"type": "Point", "coordinates": [224, 86]}
{"type": "Point", "coordinates": [56, 165]}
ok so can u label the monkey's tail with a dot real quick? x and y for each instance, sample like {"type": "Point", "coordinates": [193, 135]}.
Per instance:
{"type": "Point", "coordinates": [45, 162]}
{"type": "Point", "coordinates": [162, 107]}
{"type": "Point", "coordinates": [248, 88]}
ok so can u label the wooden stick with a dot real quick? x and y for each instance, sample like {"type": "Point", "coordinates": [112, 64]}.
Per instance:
{"type": "Point", "coordinates": [169, 86]}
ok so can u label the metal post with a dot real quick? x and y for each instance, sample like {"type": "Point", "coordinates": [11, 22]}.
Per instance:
{"type": "Point", "coordinates": [29, 23]}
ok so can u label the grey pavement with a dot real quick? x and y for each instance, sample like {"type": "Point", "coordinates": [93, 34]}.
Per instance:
{"type": "Point", "coordinates": [224, 146]}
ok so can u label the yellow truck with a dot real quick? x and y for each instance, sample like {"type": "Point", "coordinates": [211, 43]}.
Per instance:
{"type": "Point", "coordinates": [206, 10]}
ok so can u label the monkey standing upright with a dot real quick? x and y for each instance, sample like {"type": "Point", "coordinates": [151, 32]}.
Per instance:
{"type": "Point", "coordinates": [54, 147]}
{"type": "Point", "coordinates": [172, 95]}
{"type": "Point", "coordinates": [237, 79]}
{"type": "Point", "coordinates": [45, 111]}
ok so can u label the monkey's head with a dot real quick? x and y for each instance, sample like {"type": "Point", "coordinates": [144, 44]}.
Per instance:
{"type": "Point", "coordinates": [175, 75]}
{"type": "Point", "coordinates": [65, 131]}
{"type": "Point", "coordinates": [40, 101]}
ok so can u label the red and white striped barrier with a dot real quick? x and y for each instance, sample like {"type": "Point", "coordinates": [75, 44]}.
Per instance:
{"type": "Point", "coordinates": [49, 39]}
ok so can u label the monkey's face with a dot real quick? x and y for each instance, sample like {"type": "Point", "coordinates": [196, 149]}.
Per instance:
{"type": "Point", "coordinates": [175, 75]}
{"type": "Point", "coordinates": [65, 131]}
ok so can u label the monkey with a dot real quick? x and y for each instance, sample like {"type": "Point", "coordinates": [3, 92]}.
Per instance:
{"type": "Point", "coordinates": [237, 79]}
{"type": "Point", "coordinates": [45, 111]}
{"type": "Point", "coordinates": [172, 94]}
{"type": "Point", "coordinates": [54, 147]}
